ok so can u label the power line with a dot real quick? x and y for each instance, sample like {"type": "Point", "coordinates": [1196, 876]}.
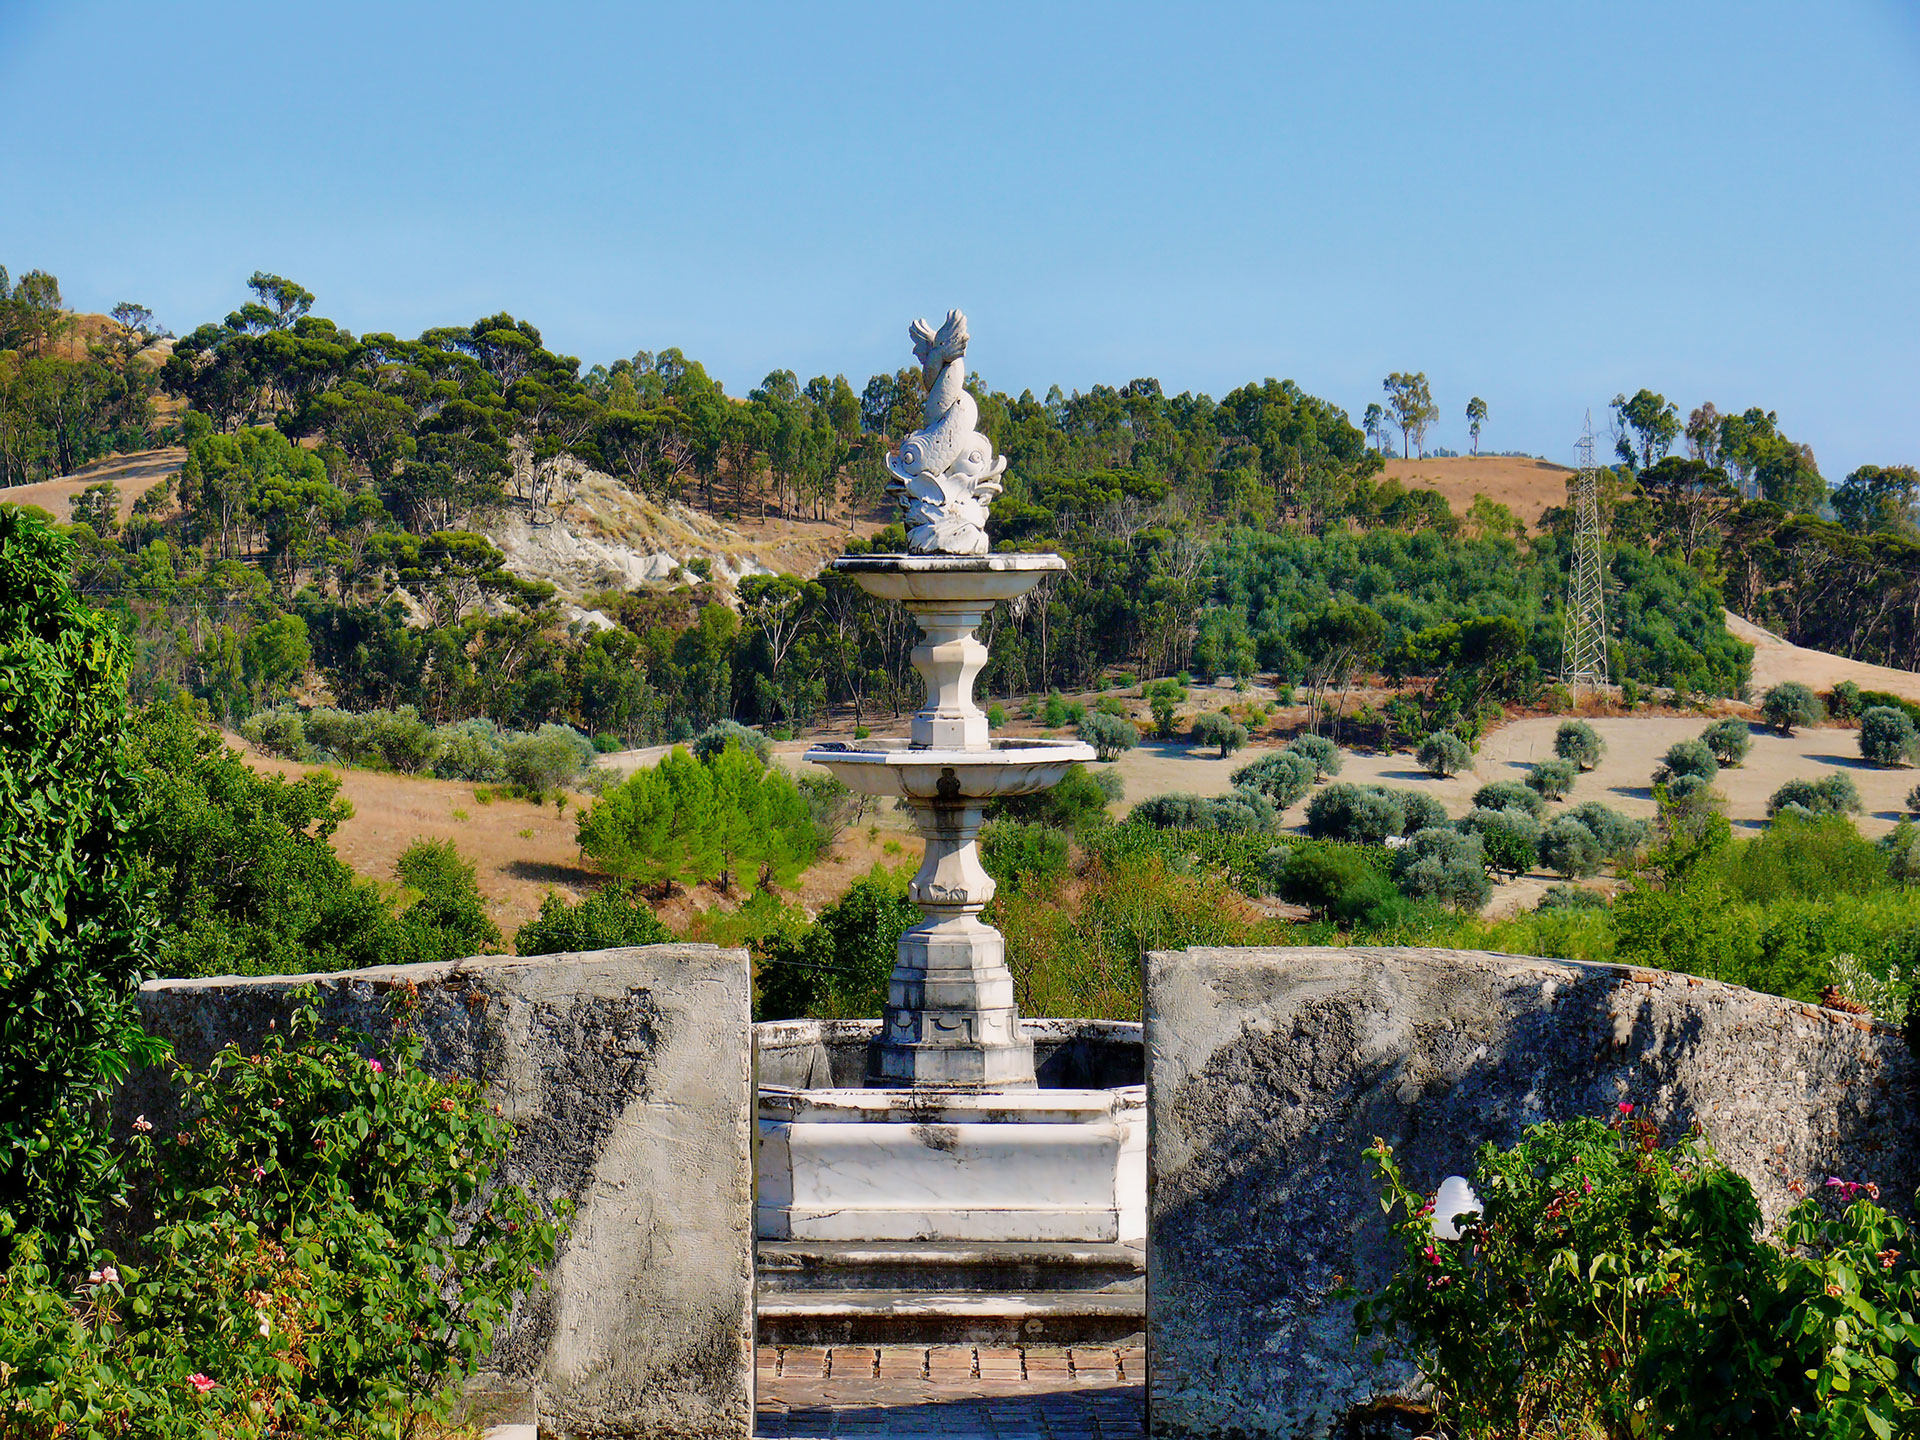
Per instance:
{"type": "Point", "coordinates": [1583, 655]}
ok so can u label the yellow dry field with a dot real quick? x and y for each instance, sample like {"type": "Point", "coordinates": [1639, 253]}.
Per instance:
{"type": "Point", "coordinates": [1526, 487]}
{"type": "Point", "coordinates": [134, 475]}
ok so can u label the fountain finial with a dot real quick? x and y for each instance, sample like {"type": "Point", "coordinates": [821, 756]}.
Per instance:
{"type": "Point", "coordinates": [945, 473]}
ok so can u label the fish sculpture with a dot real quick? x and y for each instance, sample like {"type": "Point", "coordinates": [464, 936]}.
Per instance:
{"type": "Point", "coordinates": [945, 474]}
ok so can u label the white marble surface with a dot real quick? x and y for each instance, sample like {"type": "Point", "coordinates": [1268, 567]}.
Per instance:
{"type": "Point", "coordinates": [1053, 1165]}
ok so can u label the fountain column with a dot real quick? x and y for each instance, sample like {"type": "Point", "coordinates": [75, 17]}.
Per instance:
{"type": "Point", "coordinates": [950, 1020]}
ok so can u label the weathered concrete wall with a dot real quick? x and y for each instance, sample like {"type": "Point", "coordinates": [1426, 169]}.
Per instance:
{"type": "Point", "coordinates": [627, 1074]}
{"type": "Point", "coordinates": [1270, 1071]}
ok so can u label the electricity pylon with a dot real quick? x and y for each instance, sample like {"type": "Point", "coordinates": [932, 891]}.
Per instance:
{"type": "Point", "coordinates": [1583, 654]}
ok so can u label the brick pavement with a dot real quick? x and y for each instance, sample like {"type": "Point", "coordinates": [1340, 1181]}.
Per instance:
{"type": "Point", "coordinates": [1029, 1393]}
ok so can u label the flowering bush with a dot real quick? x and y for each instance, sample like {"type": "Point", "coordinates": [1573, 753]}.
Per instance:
{"type": "Point", "coordinates": [331, 1253]}
{"type": "Point", "coordinates": [1616, 1287]}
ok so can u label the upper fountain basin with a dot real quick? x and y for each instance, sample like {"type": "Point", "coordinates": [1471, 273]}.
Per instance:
{"type": "Point", "coordinates": [949, 578]}
{"type": "Point", "coordinates": [895, 767]}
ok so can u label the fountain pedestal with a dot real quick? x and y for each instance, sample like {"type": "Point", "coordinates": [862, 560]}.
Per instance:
{"type": "Point", "coordinates": [957, 1139]}
{"type": "Point", "coordinates": [950, 1021]}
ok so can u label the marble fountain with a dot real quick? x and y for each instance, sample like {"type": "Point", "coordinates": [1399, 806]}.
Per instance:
{"type": "Point", "coordinates": [951, 1170]}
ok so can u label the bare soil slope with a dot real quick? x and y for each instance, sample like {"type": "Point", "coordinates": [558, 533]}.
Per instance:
{"type": "Point", "coordinates": [1526, 487]}
{"type": "Point", "coordinates": [1775, 660]}
{"type": "Point", "coordinates": [134, 475]}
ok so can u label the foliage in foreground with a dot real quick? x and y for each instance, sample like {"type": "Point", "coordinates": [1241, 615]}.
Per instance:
{"type": "Point", "coordinates": [331, 1255]}
{"type": "Point", "coordinates": [76, 937]}
{"type": "Point", "coordinates": [1614, 1287]}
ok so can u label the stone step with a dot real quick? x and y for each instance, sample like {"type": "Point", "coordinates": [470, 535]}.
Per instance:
{"type": "Point", "coordinates": [949, 1267]}
{"type": "Point", "coordinates": [920, 1317]}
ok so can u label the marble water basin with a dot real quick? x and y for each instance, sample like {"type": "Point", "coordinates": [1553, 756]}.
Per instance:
{"type": "Point", "coordinates": [898, 768]}
{"type": "Point", "coordinates": [1065, 1161]}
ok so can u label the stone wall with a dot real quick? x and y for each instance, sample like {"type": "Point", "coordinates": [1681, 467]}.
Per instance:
{"type": "Point", "coordinates": [627, 1074]}
{"type": "Point", "coordinates": [1270, 1071]}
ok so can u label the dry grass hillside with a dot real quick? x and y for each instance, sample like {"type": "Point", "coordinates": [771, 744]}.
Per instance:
{"type": "Point", "coordinates": [1526, 487]}
{"type": "Point", "coordinates": [134, 475]}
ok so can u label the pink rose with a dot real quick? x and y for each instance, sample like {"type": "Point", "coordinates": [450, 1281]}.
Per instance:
{"type": "Point", "coordinates": [375, 1066]}
{"type": "Point", "coordinates": [200, 1382]}
{"type": "Point", "coordinates": [1626, 1107]}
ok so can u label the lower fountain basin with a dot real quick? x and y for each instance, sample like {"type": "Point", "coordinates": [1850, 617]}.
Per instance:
{"type": "Point", "coordinates": [1062, 1162]}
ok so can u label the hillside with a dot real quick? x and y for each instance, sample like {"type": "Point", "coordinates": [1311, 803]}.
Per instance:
{"type": "Point", "coordinates": [1526, 487]}
{"type": "Point", "coordinates": [612, 536]}
{"type": "Point", "coordinates": [1775, 660]}
{"type": "Point", "coordinates": [134, 475]}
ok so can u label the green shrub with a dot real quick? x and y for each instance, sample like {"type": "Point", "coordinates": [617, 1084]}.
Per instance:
{"type": "Point", "coordinates": [1691, 799]}
{"type": "Point", "coordinates": [278, 732]}
{"type": "Point", "coordinates": [1909, 708]}
{"type": "Point", "coordinates": [1221, 729]}
{"type": "Point", "coordinates": [1829, 795]}
{"type": "Point", "coordinates": [79, 927]}
{"type": "Point", "coordinates": [1609, 1285]}
{"type": "Point", "coordinates": [1020, 855]}
{"type": "Point", "coordinates": [1569, 848]}
{"type": "Point", "coordinates": [1111, 705]}
{"type": "Point", "coordinates": [837, 967]}
{"type": "Point", "coordinates": [336, 735]}
{"type": "Point", "coordinates": [1418, 811]}
{"type": "Point", "coordinates": [1789, 705]}
{"type": "Point", "coordinates": [716, 737]}
{"type": "Point", "coordinates": [1804, 858]}
{"type": "Point", "coordinates": [1283, 777]}
{"type": "Point", "coordinates": [1509, 838]}
{"type": "Point", "coordinates": [1686, 757]}
{"type": "Point", "coordinates": [1913, 801]}
{"type": "Point", "coordinates": [1888, 737]}
{"type": "Point", "coordinates": [470, 750]}
{"type": "Point", "coordinates": [996, 715]}
{"type": "Point", "coordinates": [1357, 814]}
{"type": "Point", "coordinates": [1900, 851]}
{"type": "Point", "coordinates": [1078, 803]}
{"type": "Point", "coordinates": [398, 739]}
{"type": "Point", "coordinates": [606, 743]}
{"type": "Point", "coordinates": [1322, 752]}
{"type": "Point", "coordinates": [550, 759]}
{"type": "Point", "coordinates": [1620, 838]}
{"type": "Point", "coordinates": [1575, 898]}
{"type": "Point", "coordinates": [1447, 867]}
{"type": "Point", "coordinates": [1242, 810]}
{"type": "Point", "coordinates": [1510, 795]}
{"type": "Point", "coordinates": [1444, 753]}
{"type": "Point", "coordinates": [1579, 743]}
{"type": "Point", "coordinates": [685, 821]}
{"type": "Point", "coordinates": [333, 1253]}
{"type": "Point", "coordinates": [1058, 713]}
{"type": "Point", "coordinates": [1843, 701]}
{"type": "Point", "coordinates": [1342, 883]}
{"type": "Point", "coordinates": [1164, 698]}
{"type": "Point", "coordinates": [1729, 740]}
{"type": "Point", "coordinates": [1109, 735]}
{"type": "Point", "coordinates": [610, 917]}
{"type": "Point", "coordinates": [1552, 779]}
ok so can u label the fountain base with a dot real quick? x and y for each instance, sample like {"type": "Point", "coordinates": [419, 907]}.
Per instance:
{"type": "Point", "coordinates": [1061, 1161]}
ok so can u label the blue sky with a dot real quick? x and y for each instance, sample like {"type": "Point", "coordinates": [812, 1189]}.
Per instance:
{"type": "Point", "coordinates": [1542, 204]}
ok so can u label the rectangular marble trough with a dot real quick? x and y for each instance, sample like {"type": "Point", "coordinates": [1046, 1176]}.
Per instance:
{"type": "Point", "coordinates": [1065, 1161]}
{"type": "Point", "coordinates": [893, 1165]}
